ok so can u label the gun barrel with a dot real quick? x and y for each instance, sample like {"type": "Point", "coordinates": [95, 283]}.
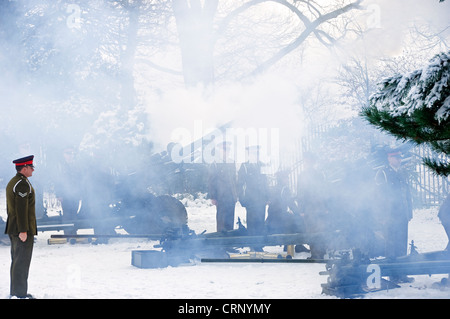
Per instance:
{"type": "Point", "coordinates": [244, 241]}
{"type": "Point", "coordinates": [148, 236]}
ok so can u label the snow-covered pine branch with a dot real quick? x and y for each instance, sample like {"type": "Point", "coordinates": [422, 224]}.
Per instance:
{"type": "Point", "coordinates": [416, 106]}
{"type": "Point", "coordinates": [426, 88]}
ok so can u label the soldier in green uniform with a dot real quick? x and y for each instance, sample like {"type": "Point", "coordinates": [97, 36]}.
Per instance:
{"type": "Point", "coordinates": [21, 225]}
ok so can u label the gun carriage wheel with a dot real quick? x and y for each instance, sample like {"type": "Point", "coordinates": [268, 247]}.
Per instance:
{"type": "Point", "coordinates": [160, 213]}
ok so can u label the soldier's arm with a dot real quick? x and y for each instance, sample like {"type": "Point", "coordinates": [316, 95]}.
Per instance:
{"type": "Point", "coordinates": [212, 177]}
{"type": "Point", "coordinates": [22, 191]}
{"type": "Point", "coordinates": [380, 177]}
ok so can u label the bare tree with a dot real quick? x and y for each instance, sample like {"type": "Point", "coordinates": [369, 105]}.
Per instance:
{"type": "Point", "coordinates": [199, 34]}
{"type": "Point", "coordinates": [358, 81]}
{"type": "Point", "coordinates": [318, 16]}
{"type": "Point", "coordinates": [359, 75]}
{"type": "Point", "coordinates": [195, 31]}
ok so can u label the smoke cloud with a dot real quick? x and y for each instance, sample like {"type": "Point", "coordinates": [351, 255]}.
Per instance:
{"type": "Point", "coordinates": [65, 82]}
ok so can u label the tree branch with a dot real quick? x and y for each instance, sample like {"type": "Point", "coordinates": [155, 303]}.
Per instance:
{"type": "Point", "coordinates": [310, 27]}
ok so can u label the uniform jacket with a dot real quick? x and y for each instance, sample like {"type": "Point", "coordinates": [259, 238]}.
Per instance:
{"type": "Point", "coordinates": [222, 182]}
{"type": "Point", "coordinates": [312, 192]}
{"type": "Point", "coordinates": [252, 185]}
{"type": "Point", "coordinates": [444, 211]}
{"type": "Point", "coordinates": [20, 205]}
{"type": "Point", "coordinates": [395, 194]}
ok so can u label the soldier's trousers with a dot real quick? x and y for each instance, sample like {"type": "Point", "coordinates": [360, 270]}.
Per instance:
{"type": "Point", "coordinates": [21, 253]}
{"type": "Point", "coordinates": [225, 216]}
{"type": "Point", "coordinates": [397, 239]}
{"type": "Point", "coordinates": [256, 216]}
{"type": "Point", "coordinates": [70, 209]}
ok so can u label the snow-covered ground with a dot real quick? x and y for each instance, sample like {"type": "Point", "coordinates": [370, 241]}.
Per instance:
{"type": "Point", "coordinates": [105, 271]}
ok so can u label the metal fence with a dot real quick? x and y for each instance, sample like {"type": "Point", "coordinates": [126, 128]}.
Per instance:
{"type": "Point", "coordinates": [428, 189]}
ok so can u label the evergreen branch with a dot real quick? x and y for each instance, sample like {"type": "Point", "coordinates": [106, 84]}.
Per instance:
{"type": "Point", "coordinates": [442, 169]}
{"type": "Point", "coordinates": [416, 107]}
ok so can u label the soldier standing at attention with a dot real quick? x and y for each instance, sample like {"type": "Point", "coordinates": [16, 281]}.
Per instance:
{"type": "Point", "coordinates": [395, 207]}
{"type": "Point", "coordinates": [222, 190]}
{"type": "Point", "coordinates": [67, 188]}
{"type": "Point", "coordinates": [253, 193]}
{"type": "Point", "coordinates": [21, 225]}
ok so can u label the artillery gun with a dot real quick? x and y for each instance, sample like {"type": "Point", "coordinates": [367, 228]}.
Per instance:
{"type": "Point", "coordinates": [353, 274]}
{"type": "Point", "coordinates": [135, 202]}
{"type": "Point", "coordinates": [142, 202]}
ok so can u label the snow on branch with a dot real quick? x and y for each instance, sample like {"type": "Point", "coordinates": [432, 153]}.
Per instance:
{"type": "Point", "coordinates": [426, 88]}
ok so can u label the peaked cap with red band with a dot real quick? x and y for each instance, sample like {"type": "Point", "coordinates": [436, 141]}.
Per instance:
{"type": "Point", "coordinates": [28, 160]}
{"type": "Point", "coordinates": [393, 151]}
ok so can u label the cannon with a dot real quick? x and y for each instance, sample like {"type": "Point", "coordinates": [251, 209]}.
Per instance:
{"type": "Point", "coordinates": [156, 214]}
{"type": "Point", "coordinates": [353, 274]}
{"type": "Point", "coordinates": [141, 201]}
{"type": "Point", "coordinates": [184, 245]}
{"type": "Point", "coordinates": [134, 202]}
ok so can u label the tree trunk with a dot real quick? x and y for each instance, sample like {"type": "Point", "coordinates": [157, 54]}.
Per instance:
{"type": "Point", "coordinates": [128, 92]}
{"type": "Point", "coordinates": [195, 31]}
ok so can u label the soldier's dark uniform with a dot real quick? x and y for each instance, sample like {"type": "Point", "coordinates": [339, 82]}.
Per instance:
{"type": "Point", "coordinates": [395, 209]}
{"type": "Point", "coordinates": [283, 213]}
{"type": "Point", "coordinates": [253, 195]}
{"type": "Point", "coordinates": [68, 189]}
{"type": "Point", "coordinates": [312, 196]}
{"type": "Point", "coordinates": [20, 204]}
{"type": "Point", "coordinates": [444, 216]}
{"type": "Point", "coordinates": [222, 188]}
